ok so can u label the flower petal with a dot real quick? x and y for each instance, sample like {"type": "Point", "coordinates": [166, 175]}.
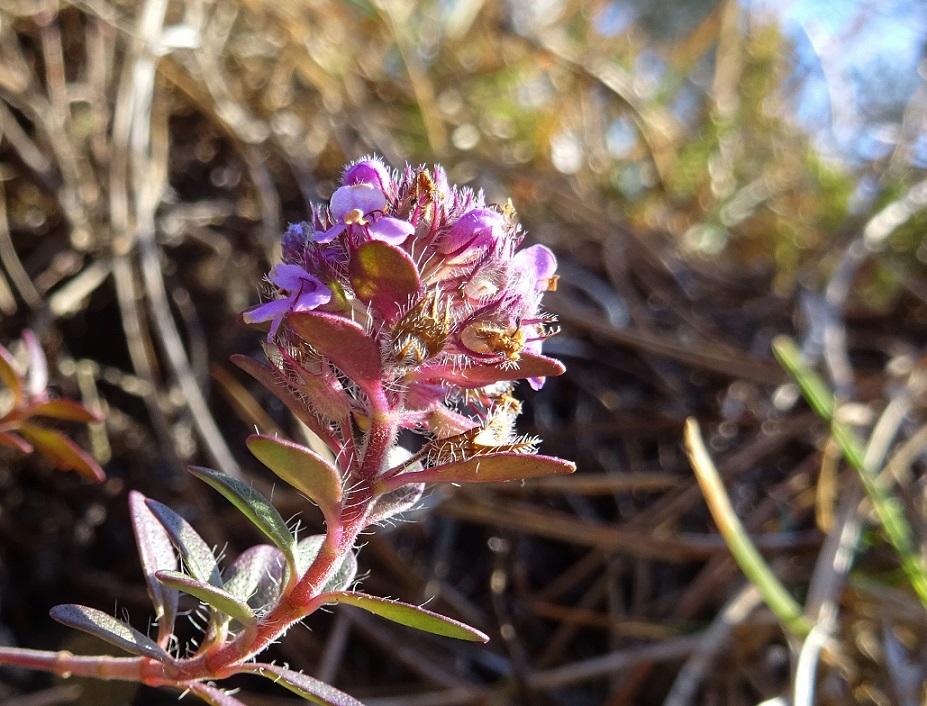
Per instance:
{"type": "Point", "coordinates": [365, 198]}
{"type": "Point", "coordinates": [369, 171]}
{"type": "Point", "coordinates": [390, 230]}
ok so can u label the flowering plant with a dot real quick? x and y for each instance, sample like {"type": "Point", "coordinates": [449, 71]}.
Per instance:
{"type": "Point", "coordinates": [403, 305]}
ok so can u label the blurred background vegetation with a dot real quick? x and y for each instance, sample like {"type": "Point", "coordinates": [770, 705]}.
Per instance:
{"type": "Point", "coordinates": [711, 173]}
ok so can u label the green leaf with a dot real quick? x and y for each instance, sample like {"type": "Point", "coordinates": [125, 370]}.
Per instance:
{"type": "Point", "coordinates": [302, 468]}
{"type": "Point", "coordinates": [253, 505]}
{"type": "Point", "coordinates": [345, 344]}
{"type": "Point", "coordinates": [257, 575]}
{"type": "Point", "coordinates": [384, 277]}
{"type": "Point", "coordinates": [157, 554]}
{"type": "Point", "coordinates": [198, 558]}
{"type": "Point", "coordinates": [488, 468]}
{"type": "Point", "coordinates": [318, 692]}
{"type": "Point", "coordinates": [217, 598]}
{"type": "Point", "coordinates": [61, 451]}
{"type": "Point", "coordinates": [306, 552]}
{"type": "Point", "coordinates": [107, 628]}
{"type": "Point", "coordinates": [407, 614]}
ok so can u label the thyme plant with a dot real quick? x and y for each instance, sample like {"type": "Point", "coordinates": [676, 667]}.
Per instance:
{"type": "Point", "coordinates": [405, 304]}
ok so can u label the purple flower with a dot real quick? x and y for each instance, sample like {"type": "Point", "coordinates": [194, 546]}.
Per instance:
{"type": "Point", "coordinates": [476, 230]}
{"type": "Point", "coordinates": [369, 171]}
{"type": "Point", "coordinates": [302, 292]}
{"type": "Point", "coordinates": [360, 208]}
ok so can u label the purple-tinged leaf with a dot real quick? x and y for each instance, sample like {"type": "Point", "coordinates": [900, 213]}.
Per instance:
{"type": "Point", "coordinates": [311, 689]}
{"type": "Point", "coordinates": [37, 376]}
{"type": "Point", "coordinates": [217, 598]}
{"type": "Point", "coordinates": [252, 505]}
{"type": "Point", "coordinates": [488, 468]}
{"type": "Point", "coordinates": [213, 695]}
{"type": "Point", "coordinates": [395, 502]}
{"type": "Point", "coordinates": [257, 575]}
{"type": "Point", "coordinates": [345, 344]}
{"type": "Point", "coordinates": [529, 365]}
{"type": "Point", "coordinates": [384, 277]}
{"type": "Point", "coordinates": [342, 576]}
{"type": "Point", "coordinates": [62, 452]}
{"type": "Point", "coordinates": [305, 470]}
{"type": "Point", "coordinates": [324, 389]}
{"type": "Point", "coordinates": [66, 409]}
{"type": "Point", "coordinates": [13, 441]}
{"type": "Point", "coordinates": [11, 376]}
{"type": "Point", "coordinates": [198, 558]}
{"type": "Point", "coordinates": [157, 554]}
{"type": "Point", "coordinates": [273, 381]}
{"type": "Point", "coordinates": [107, 628]}
{"type": "Point", "coordinates": [410, 615]}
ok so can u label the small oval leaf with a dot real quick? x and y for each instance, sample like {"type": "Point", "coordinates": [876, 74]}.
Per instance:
{"type": "Point", "coordinates": [157, 554]}
{"type": "Point", "coordinates": [256, 576]}
{"type": "Point", "coordinates": [253, 505]}
{"type": "Point", "coordinates": [198, 558]}
{"type": "Point", "coordinates": [318, 692]}
{"type": "Point", "coordinates": [384, 277]}
{"type": "Point", "coordinates": [408, 614]}
{"type": "Point", "coordinates": [217, 598]}
{"type": "Point", "coordinates": [529, 365]}
{"type": "Point", "coordinates": [60, 451]}
{"type": "Point", "coordinates": [488, 468]}
{"type": "Point", "coordinates": [345, 344]}
{"type": "Point", "coordinates": [305, 470]}
{"type": "Point", "coordinates": [107, 628]}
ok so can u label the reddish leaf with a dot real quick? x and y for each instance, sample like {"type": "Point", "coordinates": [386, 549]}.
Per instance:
{"type": "Point", "coordinates": [270, 378]}
{"type": "Point", "coordinates": [345, 344]}
{"type": "Point", "coordinates": [13, 441]}
{"type": "Point", "coordinates": [66, 409]}
{"type": "Point", "coordinates": [11, 376]}
{"type": "Point", "coordinates": [62, 452]}
{"type": "Point", "coordinates": [489, 468]}
{"type": "Point", "coordinates": [156, 553]}
{"type": "Point", "coordinates": [212, 695]}
{"type": "Point", "coordinates": [528, 366]}
{"type": "Point", "coordinates": [384, 277]}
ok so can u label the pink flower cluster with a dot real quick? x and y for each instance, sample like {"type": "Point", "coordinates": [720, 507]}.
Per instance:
{"type": "Point", "coordinates": [435, 278]}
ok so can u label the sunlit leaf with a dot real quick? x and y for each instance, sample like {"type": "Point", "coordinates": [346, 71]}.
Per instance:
{"type": "Point", "coordinates": [345, 344]}
{"type": "Point", "coordinates": [488, 468]}
{"type": "Point", "coordinates": [107, 628]}
{"type": "Point", "coordinates": [529, 365]}
{"type": "Point", "coordinates": [217, 598]}
{"type": "Point", "coordinates": [198, 558]}
{"type": "Point", "coordinates": [61, 451]}
{"type": "Point", "coordinates": [37, 375]}
{"type": "Point", "coordinates": [253, 505]}
{"type": "Point", "coordinates": [384, 277]}
{"type": "Point", "coordinates": [318, 692]}
{"type": "Point", "coordinates": [157, 554]}
{"type": "Point", "coordinates": [410, 615]}
{"type": "Point", "coordinates": [65, 409]}
{"type": "Point", "coordinates": [302, 468]}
